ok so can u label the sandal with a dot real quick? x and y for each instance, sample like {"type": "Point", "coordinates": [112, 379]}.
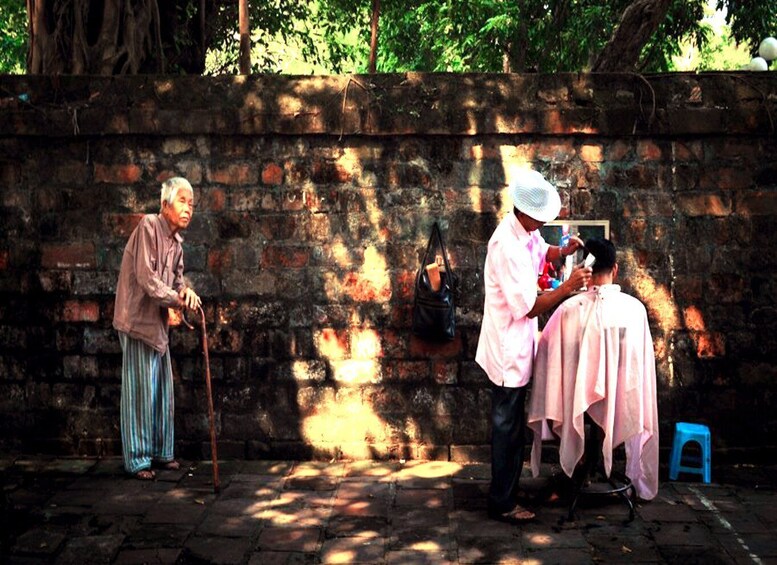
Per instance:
{"type": "Point", "coordinates": [517, 515]}
{"type": "Point", "coordinates": [145, 475]}
{"type": "Point", "coordinates": [169, 465]}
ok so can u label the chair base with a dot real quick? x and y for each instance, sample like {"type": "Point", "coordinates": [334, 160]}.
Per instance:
{"type": "Point", "coordinates": [617, 483]}
{"type": "Point", "coordinates": [590, 479]}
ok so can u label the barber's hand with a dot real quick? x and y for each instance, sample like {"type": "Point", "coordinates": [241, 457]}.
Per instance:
{"type": "Point", "coordinates": [572, 245]}
{"type": "Point", "coordinates": [579, 278]}
{"type": "Point", "coordinates": [189, 299]}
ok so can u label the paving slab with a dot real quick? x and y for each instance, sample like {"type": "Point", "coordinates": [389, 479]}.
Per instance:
{"type": "Point", "coordinates": [367, 489]}
{"type": "Point", "coordinates": [217, 550]}
{"type": "Point", "coordinates": [566, 556]}
{"type": "Point", "coordinates": [150, 536]}
{"type": "Point", "coordinates": [490, 550]}
{"type": "Point", "coordinates": [305, 540]}
{"type": "Point", "coordinates": [282, 558]}
{"type": "Point", "coordinates": [189, 513]}
{"type": "Point", "coordinates": [534, 538]}
{"type": "Point", "coordinates": [357, 526]}
{"type": "Point", "coordinates": [377, 512]}
{"type": "Point", "coordinates": [361, 507]}
{"type": "Point", "coordinates": [40, 542]}
{"type": "Point", "coordinates": [424, 498]}
{"type": "Point", "coordinates": [353, 550]}
{"type": "Point", "coordinates": [229, 526]}
{"type": "Point", "coordinates": [90, 549]}
{"type": "Point", "coordinates": [420, 558]}
{"type": "Point", "coordinates": [694, 555]}
{"type": "Point", "coordinates": [160, 556]}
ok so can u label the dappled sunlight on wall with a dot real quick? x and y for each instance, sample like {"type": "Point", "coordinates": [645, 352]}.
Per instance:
{"type": "Point", "coordinates": [663, 313]}
{"type": "Point", "coordinates": [315, 200]}
{"type": "Point", "coordinates": [659, 302]}
{"type": "Point", "coordinates": [347, 425]}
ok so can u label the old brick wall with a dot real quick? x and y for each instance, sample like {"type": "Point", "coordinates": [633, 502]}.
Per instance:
{"type": "Point", "coordinates": [315, 197]}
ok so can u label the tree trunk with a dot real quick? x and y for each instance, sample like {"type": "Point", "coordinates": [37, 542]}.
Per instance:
{"type": "Point", "coordinates": [244, 58]}
{"type": "Point", "coordinates": [374, 35]}
{"type": "Point", "coordinates": [639, 21]}
{"type": "Point", "coordinates": [113, 37]}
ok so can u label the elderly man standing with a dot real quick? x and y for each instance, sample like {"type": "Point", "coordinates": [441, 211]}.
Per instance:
{"type": "Point", "coordinates": [150, 281]}
{"type": "Point", "coordinates": [516, 256]}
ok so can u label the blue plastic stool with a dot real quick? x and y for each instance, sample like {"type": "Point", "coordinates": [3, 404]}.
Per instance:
{"type": "Point", "coordinates": [683, 433]}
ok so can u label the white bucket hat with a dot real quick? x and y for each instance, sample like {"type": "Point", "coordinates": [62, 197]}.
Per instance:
{"type": "Point", "coordinates": [534, 196]}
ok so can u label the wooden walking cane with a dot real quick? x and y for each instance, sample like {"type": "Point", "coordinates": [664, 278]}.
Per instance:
{"type": "Point", "coordinates": [177, 317]}
{"type": "Point", "coordinates": [213, 452]}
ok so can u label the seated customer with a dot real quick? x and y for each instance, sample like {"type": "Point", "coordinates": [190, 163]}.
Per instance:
{"type": "Point", "coordinates": [596, 356]}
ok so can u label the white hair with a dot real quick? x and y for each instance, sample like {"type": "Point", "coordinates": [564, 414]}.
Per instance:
{"type": "Point", "coordinates": [171, 187]}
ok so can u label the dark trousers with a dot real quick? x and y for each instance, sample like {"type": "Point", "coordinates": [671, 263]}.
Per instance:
{"type": "Point", "coordinates": [508, 436]}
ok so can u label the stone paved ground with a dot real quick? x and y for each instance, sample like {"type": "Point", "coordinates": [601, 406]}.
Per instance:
{"type": "Point", "coordinates": [280, 512]}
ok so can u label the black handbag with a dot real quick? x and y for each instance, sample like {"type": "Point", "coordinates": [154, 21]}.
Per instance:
{"type": "Point", "coordinates": [434, 312]}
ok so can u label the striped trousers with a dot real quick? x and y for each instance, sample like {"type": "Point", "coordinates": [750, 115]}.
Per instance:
{"type": "Point", "coordinates": [146, 405]}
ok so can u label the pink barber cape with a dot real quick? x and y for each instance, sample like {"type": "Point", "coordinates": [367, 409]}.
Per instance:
{"type": "Point", "coordinates": [595, 355]}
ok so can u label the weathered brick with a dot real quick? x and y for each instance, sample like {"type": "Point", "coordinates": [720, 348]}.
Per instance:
{"type": "Point", "coordinates": [191, 170]}
{"type": "Point", "coordinates": [709, 344]}
{"type": "Point", "coordinates": [359, 287]}
{"type": "Point", "coordinates": [649, 151]}
{"type": "Point", "coordinates": [72, 172]}
{"type": "Point", "coordinates": [591, 153]}
{"type": "Point", "coordinates": [756, 203]}
{"type": "Point", "coordinates": [355, 372]}
{"type": "Point", "coordinates": [10, 174]}
{"type": "Point", "coordinates": [302, 370]}
{"type": "Point", "coordinates": [289, 257]}
{"type": "Point", "coordinates": [294, 200]}
{"type": "Point", "coordinates": [121, 225]}
{"type": "Point", "coordinates": [704, 204]}
{"type": "Point", "coordinates": [80, 367]}
{"type": "Point", "coordinates": [410, 371]}
{"type": "Point", "coordinates": [366, 343]}
{"type": "Point", "coordinates": [220, 260]}
{"type": "Point", "coordinates": [234, 175]}
{"type": "Point", "coordinates": [431, 349]}
{"type": "Point", "coordinates": [691, 151]}
{"type": "Point", "coordinates": [726, 178]}
{"type": "Point", "coordinates": [272, 174]}
{"type": "Point", "coordinates": [215, 200]}
{"type": "Point", "coordinates": [326, 172]}
{"type": "Point", "coordinates": [176, 146]}
{"type": "Point", "coordinates": [117, 174]}
{"type": "Point", "coordinates": [332, 343]}
{"type": "Point", "coordinates": [694, 318]}
{"type": "Point", "coordinates": [555, 151]}
{"type": "Point", "coordinates": [445, 372]}
{"type": "Point", "coordinates": [80, 311]}
{"type": "Point", "coordinates": [618, 151]}
{"type": "Point", "coordinates": [68, 256]}
{"type": "Point", "coordinates": [650, 205]}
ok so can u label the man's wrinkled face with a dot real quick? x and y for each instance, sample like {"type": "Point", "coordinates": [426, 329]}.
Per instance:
{"type": "Point", "coordinates": [180, 212]}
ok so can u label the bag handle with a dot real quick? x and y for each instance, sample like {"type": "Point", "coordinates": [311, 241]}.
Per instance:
{"type": "Point", "coordinates": [436, 232]}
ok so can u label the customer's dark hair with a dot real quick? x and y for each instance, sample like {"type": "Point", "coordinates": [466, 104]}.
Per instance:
{"type": "Point", "coordinates": [604, 251]}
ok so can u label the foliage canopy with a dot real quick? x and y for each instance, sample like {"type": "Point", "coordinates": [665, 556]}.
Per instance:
{"type": "Point", "coordinates": [199, 36]}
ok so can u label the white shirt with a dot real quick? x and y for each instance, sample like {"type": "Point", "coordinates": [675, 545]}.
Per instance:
{"type": "Point", "coordinates": [506, 346]}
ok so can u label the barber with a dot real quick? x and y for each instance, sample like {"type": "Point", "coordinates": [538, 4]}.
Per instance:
{"type": "Point", "coordinates": [516, 256]}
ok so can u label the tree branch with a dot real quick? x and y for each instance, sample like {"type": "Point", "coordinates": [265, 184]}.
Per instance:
{"type": "Point", "coordinates": [639, 21]}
